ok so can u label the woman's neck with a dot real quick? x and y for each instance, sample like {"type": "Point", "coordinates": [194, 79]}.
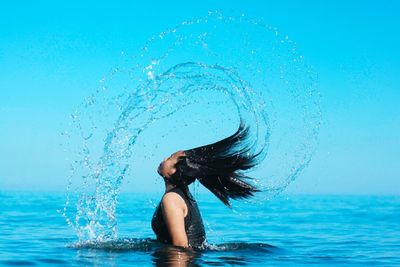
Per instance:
{"type": "Point", "coordinates": [168, 186]}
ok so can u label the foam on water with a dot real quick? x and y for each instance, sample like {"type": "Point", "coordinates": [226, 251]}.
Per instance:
{"type": "Point", "coordinates": [200, 77]}
{"type": "Point", "coordinates": [147, 244]}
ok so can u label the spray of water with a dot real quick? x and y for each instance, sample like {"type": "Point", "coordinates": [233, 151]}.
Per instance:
{"type": "Point", "coordinates": [188, 86]}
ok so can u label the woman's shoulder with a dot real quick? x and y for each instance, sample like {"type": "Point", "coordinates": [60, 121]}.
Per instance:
{"type": "Point", "coordinates": [173, 198]}
{"type": "Point", "coordinates": [172, 201]}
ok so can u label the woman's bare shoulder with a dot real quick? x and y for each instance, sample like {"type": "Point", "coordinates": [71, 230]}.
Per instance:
{"type": "Point", "coordinates": [173, 199]}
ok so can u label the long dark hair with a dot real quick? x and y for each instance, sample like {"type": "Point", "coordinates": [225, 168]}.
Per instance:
{"type": "Point", "coordinates": [219, 167]}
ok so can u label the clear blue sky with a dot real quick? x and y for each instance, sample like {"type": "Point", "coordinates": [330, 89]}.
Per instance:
{"type": "Point", "coordinates": [52, 55]}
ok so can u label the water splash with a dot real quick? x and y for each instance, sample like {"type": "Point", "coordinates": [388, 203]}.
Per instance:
{"type": "Point", "coordinates": [147, 244]}
{"type": "Point", "coordinates": [202, 76]}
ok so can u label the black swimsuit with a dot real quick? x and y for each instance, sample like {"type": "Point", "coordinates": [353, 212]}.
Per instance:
{"type": "Point", "coordinates": [194, 227]}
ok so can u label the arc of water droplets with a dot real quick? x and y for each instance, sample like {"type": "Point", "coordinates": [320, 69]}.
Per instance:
{"type": "Point", "coordinates": [155, 87]}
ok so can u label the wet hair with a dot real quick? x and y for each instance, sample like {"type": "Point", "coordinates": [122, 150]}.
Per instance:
{"type": "Point", "coordinates": [219, 167]}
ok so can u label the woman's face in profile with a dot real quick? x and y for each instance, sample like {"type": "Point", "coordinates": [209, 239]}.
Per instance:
{"type": "Point", "coordinates": [167, 166]}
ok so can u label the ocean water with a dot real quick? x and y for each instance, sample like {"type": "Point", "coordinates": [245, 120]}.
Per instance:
{"type": "Point", "coordinates": [284, 231]}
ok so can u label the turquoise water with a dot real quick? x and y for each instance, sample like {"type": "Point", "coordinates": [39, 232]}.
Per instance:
{"type": "Point", "coordinates": [285, 231]}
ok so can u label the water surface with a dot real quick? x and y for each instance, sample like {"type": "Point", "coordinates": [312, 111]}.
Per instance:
{"type": "Point", "coordinates": [285, 231]}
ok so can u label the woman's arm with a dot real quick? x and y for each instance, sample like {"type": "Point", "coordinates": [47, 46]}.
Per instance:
{"type": "Point", "coordinates": [174, 211]}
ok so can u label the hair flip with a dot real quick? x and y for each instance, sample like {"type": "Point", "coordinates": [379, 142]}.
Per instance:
{"type": "Point", "coordinates": [220, 167]}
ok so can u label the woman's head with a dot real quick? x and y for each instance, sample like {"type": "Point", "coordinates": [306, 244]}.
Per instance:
{"type": "Point", "coordinates": [218, 166]}
{"type": "Point", "coordinates": [167, 167]}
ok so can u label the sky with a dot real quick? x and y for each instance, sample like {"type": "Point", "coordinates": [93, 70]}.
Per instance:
{"type": "Point", "coordinates": [52, 55]}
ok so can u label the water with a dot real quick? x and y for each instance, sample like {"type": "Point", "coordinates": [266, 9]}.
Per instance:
{"type": "Point", "coordinates": [201, 76]}
{"type": "Point", "coordinates": [285, 231]}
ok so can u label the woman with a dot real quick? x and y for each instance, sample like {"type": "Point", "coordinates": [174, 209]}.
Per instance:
{"type": "Point", "coordinates": [218, 167]}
